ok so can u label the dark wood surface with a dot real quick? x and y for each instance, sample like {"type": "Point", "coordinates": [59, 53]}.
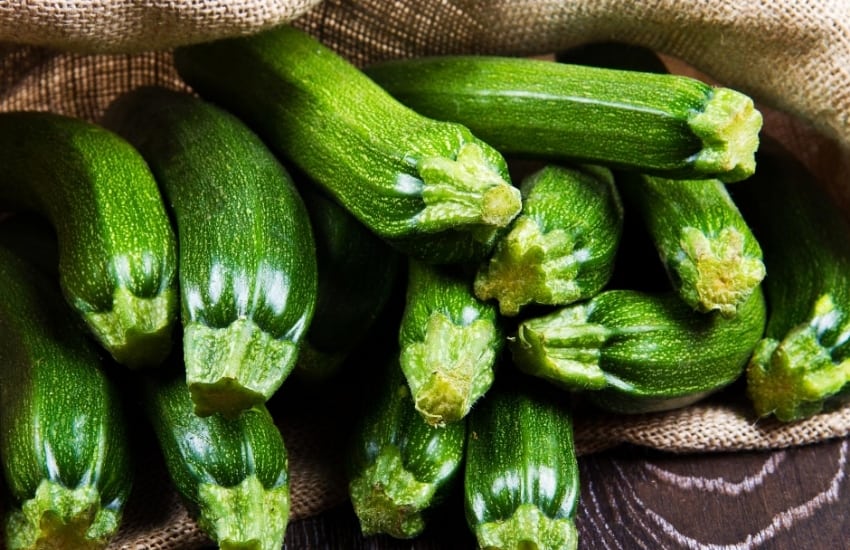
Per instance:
{"type": "Point", "coordinates": [797, 498]}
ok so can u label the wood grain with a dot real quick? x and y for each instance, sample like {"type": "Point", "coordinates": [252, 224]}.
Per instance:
{"type": "Point", "coordinates": [635, 498]}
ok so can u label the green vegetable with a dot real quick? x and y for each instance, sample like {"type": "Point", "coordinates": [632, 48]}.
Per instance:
{"type": "Point", "coordinates": [232, 473]}
{"type": "Point", "coordinates": [117, 254]}
{"type": "Point", "coordinates": [247, 257]}
{"type": "Point", "coordinates": [561, 248]}
{"type": "Point", "coordinates": [634, 352]}
{"type": "Point", "coordinates": [802, 366]}
{"type": "Point", "coordinates": [449, 343]}
{"type": "Point", "coordinates": [400, 468]}
{"type": "Point", "coordinates": [706, 246]}
{"type": "Point", "coordinates": [64, 449]}
{"type": "Point", "coordinates": [357, 275]}
{"type": "Point", "coordinates": [521, 479]}
{"type": "Point", "coordinates": [430, 188]}
{"type": "Point", "coordinates": [668, 125]}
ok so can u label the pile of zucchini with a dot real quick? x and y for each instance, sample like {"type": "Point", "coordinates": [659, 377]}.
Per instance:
{"type": "Point", "coordinates": [191, 251]}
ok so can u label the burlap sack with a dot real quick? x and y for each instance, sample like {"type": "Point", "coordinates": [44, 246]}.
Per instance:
{"type": "Point", "coordinates": [792, 56]}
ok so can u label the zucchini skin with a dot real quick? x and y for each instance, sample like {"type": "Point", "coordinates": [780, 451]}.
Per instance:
{"type": "Point", "coordinates": [710, 254]}
{"type": "Point", "coordinates": [635, 352]}
{"type": "Point", "coordinates": [357, 274]}
{"type": "Point", "coordinates": [449, 342]}
{"type": "Point", "coordinates": [400, 468]}
{"type": "Point", "coordinates": [802, 366]}
{"type": "Point", "coordinates": [562, 246]}
{"type": "Point", "coordinates": [232, 472]}
{"type": "Point", "coordinates": [521, 478]}
{"type": "Point", "coordinates": [247, 256]}
{"type": "Point", "coordinates": [117, 250]}
{"type": "Point", "coordinates": [430, 188]}
{"type": "Point", "coordinates": [64, 447]}
{"type": "Point", "coordinates": [668, 125]}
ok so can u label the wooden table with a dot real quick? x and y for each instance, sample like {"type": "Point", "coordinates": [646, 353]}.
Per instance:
{"type": "Point", "coordinates": [795, 498]}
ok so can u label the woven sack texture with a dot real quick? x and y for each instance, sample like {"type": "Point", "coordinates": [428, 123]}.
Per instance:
{"type": "Point", "coordinates": [792, 57]}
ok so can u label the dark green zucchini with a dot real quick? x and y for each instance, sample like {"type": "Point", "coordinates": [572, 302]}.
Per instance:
{"type": "Point", "coordinates": [449, 342]}
{"type": "Point", "coordinates": [430, 188]}
{"type": "Point", "coordinates": [562, 246]}
{"type": "Point", "coordinates": [232, 473]}
{"type": "Point", "coordinates": [357, 274]}
{"type": "Point", "coordinates": [802, 366]}
{"type": "Point", "coordinates": [521, 478]}
{"type": "Point", "coordinates": [117, 252]}
{"type": "Point", "coordinates": [668, 125]}
{"type": "Point", "coordinates": [247, 257]}
{"type": "Point", "coordinates": [709, 252]}
{"type": "Point", "coordinates": [63, 442]}
{"type": "Point", "coordinates": [633, 352]}
{"type": "Point", "coordinates": [400, 468]}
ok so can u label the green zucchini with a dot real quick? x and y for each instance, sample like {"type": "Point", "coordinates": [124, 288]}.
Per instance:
{"type": "Point", "coordinates": [449, 342]}
{"type": "Point", "coordinates": [521, 478]}
{"type": "Point", "coordinates": [247, 257]}
{"type": "Point", "coordinates": [400, 468]}
{"type": "Point", "coordinates": [231, 472]}
{"type": "Point", "coordinates": [633, 352]}
{"type": "Point", "coordinates": [709, 252]}
{"type": "Point", "coordinates": [357, 274]}
{"type": "Point", "coordinates": [668, 125]}
{"type": "Point", "coordinates": [802, 366]}
{"type": "Point", "coordinates": [117, 251]}
{"type": "Point", "coordinates": [63, 442]}
{"type": "Point", "coordinates": [430, 188]}
{"type": "Point", "coordinates": [562, 246]}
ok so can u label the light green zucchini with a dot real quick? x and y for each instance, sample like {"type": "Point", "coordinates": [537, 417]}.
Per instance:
{"type": "Point", "coordinates": [117, 251]}
{"type": "Point", "coordinates": [247, 256]}
{"type": "Point", "coordinates": [668, 125]}
{"type": "Point", "coordinates": [562, 246]}
{"type": "Point", "coordinates": [430, 188]}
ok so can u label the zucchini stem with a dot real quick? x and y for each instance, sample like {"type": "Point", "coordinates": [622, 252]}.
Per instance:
{"type": "Point", "coordinates": [528, 527]}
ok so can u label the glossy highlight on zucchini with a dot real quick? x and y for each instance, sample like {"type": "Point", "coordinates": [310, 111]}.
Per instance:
{"type": "Point", "coordinates": [117, 250]}
{"type": "Point", "coordinates": [802, 366]}
{"type": "Point", "coordinates": [431, 188]}
{"type": "Point", "coordinates": [635, 352]}
{"type": "Point", "coordinates": [668, 125]}
{"type": "Point", "coordinates": [562, 246]}
{"type": "Point", "coordinates": [65, 453]}
{"type": "Point", "coordinates": [247, 256]}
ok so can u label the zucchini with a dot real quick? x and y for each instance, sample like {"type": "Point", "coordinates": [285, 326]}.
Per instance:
{"type": "Point", "coordinates": [63, 442]}
{"type": "Point", "coordinates": [247, 257]}
{"type": "Point", "coordinates": [430, 188]}
{"type": "Point", "coordinates": [634, 352]}
{"type": "Point", "coordinates": [231, 472]}
{"type": "Point", "coordinates": [30, 237]}
{"type": "Point", "coordinates": [357, 274]}
{"type": "Point", "coordinates": [709, 252]}
{"type": "Point", "coordinates": [521, 478]}
{"type": "Point", "coordinates": [562, 246]}
{"type": "Point", "coordinates": [668, 125]}
{"type": "Point", "coordinates": [802, 366]}
{"type": "Point", "coordinates": [117, 251]}
{"type": "Point", "coordinates": [449, 342]}
{"type": "Point", "coordinates": [400, 468]}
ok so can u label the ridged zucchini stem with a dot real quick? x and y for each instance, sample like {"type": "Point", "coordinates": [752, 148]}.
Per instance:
{"type": "Point", "coordinates": [791, 378]}
{"type": "Point", "coordinates": [715, 272]}
{"type": "Point", "coordinates": [233, 368]}
{"type": "Point", "coordinates": [246, 516]}
{"type": "Point", "coordinates": [450, 368]}
{"type": "Point", "coordinates": [388, 499]}
{"type": "Point", "coordinates": [563, 347]}
{"type": "Point", "coordinates": [61, 518]}
{"type": "Point", "coordinates": [729, 128]}
{"type": "Point", "coordinates": [528, 528]}
{"type": "Point", "coordinates": [137, 330]}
